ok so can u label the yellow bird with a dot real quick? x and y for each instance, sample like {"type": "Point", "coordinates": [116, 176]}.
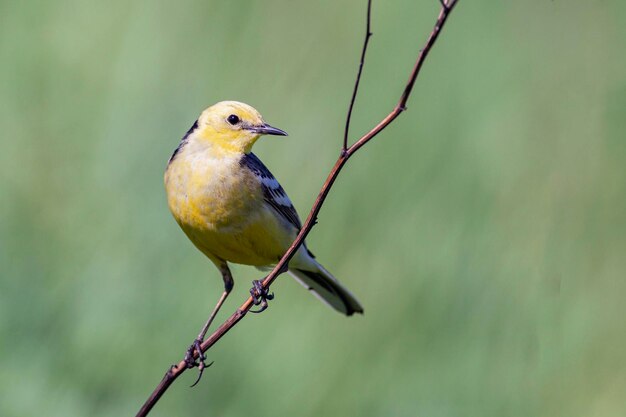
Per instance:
{"type": "Point", "coordinates": [233, 209]}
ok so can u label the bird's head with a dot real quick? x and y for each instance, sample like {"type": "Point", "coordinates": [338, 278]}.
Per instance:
{"type": "Point", "coordinates": [233, 126]}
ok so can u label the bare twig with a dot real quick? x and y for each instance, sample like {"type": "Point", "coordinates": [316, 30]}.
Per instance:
{"type": "Point", "coordinates": [176, 370]}
{"type": "Point", "coordinates": [368, 34]}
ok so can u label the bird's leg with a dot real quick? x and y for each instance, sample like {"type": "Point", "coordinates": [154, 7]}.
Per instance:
{"type": "Point", "coordinates": [195, 346]}
{"type": "Point", "coordinates": [260, 295]}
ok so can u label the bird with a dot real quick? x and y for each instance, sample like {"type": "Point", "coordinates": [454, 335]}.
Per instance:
{"type": "Point", "coordinates": [234, 210]}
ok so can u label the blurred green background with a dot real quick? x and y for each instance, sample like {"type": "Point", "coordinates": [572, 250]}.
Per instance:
{"type": "Point", "coordinates": [484, 231]}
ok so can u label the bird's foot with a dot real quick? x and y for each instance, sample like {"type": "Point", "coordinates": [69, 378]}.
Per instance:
{"type": "Point", "coordinates": [260, 296]}
{"type": "Point", "coordinates": [190, 362]}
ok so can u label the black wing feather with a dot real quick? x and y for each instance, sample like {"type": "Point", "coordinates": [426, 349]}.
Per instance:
{"type": "Point", "coordinates": [272, 191]}
{"type": "Point", "coordinates": [183, 142]}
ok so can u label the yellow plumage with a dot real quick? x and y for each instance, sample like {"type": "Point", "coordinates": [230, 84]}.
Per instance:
{"type": "Point", "coordinates": [233, 209]}
{"type": "Point", "coordinates": [221, 209]}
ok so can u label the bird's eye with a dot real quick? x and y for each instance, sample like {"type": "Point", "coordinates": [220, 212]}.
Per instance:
{"type": "Point", "coordinates": [233, 119]}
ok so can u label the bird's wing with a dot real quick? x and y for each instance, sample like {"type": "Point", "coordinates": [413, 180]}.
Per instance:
{"type": "Point", "coordinates": [273, 193]}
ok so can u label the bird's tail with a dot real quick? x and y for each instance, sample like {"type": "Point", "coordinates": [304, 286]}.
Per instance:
{"type": "Point", "coordinates": [326, 287]}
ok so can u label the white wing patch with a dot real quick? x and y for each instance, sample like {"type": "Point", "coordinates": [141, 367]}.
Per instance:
{"type": "Point", "coordinates": [270, 182]}
{"type": "Point", "coordinates": [276, 191]}
{"type": "Point", "coordinates": [273, 193]}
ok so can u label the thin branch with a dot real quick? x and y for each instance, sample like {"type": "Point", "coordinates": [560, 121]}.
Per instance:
{"type": "Point", "coordinates": [368, 35]}
{"type": "Point", "coordinates": [176, 370]}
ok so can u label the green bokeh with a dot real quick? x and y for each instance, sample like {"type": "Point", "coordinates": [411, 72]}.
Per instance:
{"type": "Point", "coordinates": [484, 231]}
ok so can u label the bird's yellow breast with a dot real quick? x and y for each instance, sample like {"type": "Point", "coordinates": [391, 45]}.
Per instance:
{"type": "Point", "coordinates": [219, 205]}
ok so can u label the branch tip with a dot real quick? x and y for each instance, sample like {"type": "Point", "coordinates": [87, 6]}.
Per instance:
{"type": "Point", "coordinates": [368, 34]}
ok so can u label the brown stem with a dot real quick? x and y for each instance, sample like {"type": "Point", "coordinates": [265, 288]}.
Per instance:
{"type": "Point", "coordinates": [176, 370]}
{"type": "Point", "coordinates": [368, 34]}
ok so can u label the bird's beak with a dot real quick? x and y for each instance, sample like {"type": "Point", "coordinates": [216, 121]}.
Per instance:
{"type": "Point", "coordinates": [266, 129]}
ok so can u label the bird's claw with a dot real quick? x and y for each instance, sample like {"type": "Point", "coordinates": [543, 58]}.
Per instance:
{"type": "Point", "coordinates": [201, 367]}
{"type": "Point", "coordinates": [190, 362]}
{"type": "Point", "coordinates": [260, 295]}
